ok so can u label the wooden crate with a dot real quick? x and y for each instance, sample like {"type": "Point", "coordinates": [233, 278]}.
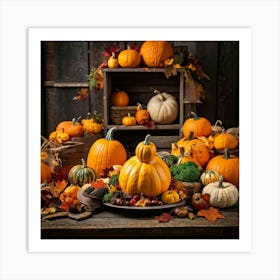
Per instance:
{"type": "Point", "coordinates": [117, 113]}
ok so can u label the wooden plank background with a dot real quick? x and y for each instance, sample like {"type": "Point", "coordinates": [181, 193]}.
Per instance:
{"type": "Point", "coordinates": [66, 64]}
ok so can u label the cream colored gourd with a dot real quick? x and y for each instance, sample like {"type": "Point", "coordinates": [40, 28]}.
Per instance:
{"type": "Point", "coordinates": [163, 108]}
{"type": "Point", "coordinates": [222, 194]}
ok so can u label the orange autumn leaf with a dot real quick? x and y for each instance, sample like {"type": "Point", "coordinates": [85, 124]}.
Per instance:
{"type": "Point", "coordinates": [60, 186]}
{"type": "Point", "coordinates": [211, 214]}
{"type": "Point", "coordinates": [82, 94]}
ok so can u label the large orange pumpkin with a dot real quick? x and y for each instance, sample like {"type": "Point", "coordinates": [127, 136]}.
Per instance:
{"type": "Point", "coordinates": [149, 178]}
{"type": "Point", "coordinates": [198, 125]}
{"type": "Point", "coordinates": [106, 152]}
{"type": "Point", "coordinates": [226, 165]}
{"type": "Point", "coordinates": [154, 53]}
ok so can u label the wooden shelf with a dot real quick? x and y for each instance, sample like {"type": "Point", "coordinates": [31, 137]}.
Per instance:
{"type": "Point", "coordinates": [142, 127]}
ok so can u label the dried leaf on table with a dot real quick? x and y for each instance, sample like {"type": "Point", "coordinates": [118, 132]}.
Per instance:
{"type": "Point", "coordinates": [211, 214]}
{"type": "Point", "coordinates": [46, 211]}
{"type": "Point", "coordinates": [164, 217]}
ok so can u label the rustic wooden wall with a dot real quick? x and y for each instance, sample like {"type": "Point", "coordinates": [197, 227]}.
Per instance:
{"type": "Point", "coordinates": [66, 64]}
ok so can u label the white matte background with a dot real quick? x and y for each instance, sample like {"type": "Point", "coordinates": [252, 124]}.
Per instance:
{"type": "Point", "coordinates": [15, 261]}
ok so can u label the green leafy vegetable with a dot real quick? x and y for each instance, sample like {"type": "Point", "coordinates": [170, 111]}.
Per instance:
{"type": "Point", "coordinates": [186, 172]}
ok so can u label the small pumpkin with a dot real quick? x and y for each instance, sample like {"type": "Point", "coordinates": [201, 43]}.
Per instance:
{"type": "Point", "coordinates": [163, 108]}
{"type": "Point", "coordinates": [81, 174]}
{"type": "Point", "coordinates": [146, 150]}
{"type": "Point", "coordinates": [61, 136]}
{"type": "Point", "coordinates": [222, 194]}
{"type": "Point", "coordinates": [142, 115]}
{"type": "Point", "coordinates": [225, 140]}
{"type": "Point", "coordinates": [170, 197]}
{"type": "Point", "coordinates": [209, 176]}
{"type": "Point", "coordinates": [226, 165]}
{"type": "Point", "coordinates": [91, 126]}
{"type": "Point", "coordinates": [46, 174]}
{"type": "Point", "coordinates": [200, 126]}
{"type": "Point", "coordinates": [119, 98]}
{"type": "Point", "coordinates": [128, 120]}
{"type": "Point", "coordinates": [154, 53]}
{"type": "Point", "coordinates": [129, 58]}
{"type": "Point", "coordinates": [73, 128]}
{"type": "Point", "coordinates": [149, 178]}
{"type": "Point", "coordinates": [113, 61]}
{"type": "Point", "coordinates": [106, 152]}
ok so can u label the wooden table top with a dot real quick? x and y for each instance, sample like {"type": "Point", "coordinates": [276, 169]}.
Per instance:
{"type": "Point", "coordinates": [113, 223]}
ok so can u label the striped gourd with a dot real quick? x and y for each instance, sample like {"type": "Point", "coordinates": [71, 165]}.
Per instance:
{"type": "Point", "coordinates": [81, 174]}
{"type": "Point", "coordinates": [209, 176]}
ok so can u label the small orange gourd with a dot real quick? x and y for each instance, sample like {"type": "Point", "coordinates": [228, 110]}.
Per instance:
{"type": "Point", "coordinates": [128, 120]}
{"type": "Point", "coordinates": [142, 115]}
{"type": "Point", "coordinates": [129, 58]}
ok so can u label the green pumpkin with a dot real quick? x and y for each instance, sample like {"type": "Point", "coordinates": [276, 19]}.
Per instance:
{"type": "Point", "coordinates": [167, 158]}
{"type": "Point", "coordinates": [81, 174]}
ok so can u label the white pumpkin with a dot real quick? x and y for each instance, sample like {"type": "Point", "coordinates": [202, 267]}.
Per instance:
{"type": "Point", "coordinates": [222, 194]}
{"type": "Point", "coordinates": [163, 108]}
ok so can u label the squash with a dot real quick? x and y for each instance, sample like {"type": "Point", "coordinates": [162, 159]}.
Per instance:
{"type": "Point", "coordinates": [106, 152]}
{"type": "Point", "coordinates": [73, 128]}
{"type": "Point", "coordinates": [225, 140]}
{"type": "Point", "coordinates": [217, 128]}
{"type": "Point", "coordinates": [209, 176]}
{"type": "Point", "coordinates": [154, 53]}
{"type": "Point", "coordinates": [61, 136]}
{"type": "Point", "coordinates": [119, 98]}
{"type": "Point", "coordinates": [170, 197]}
{"type": "Point", "coordinates": [163, 108]}
{"type": "Point", "coordinates": [222, 194]}
{"type": "Point", "coordinates": [129, 58]}
{"type": "Point", "coordinates": [167, 157]}
{"type": "Point", "coordinates": [148, 178]}
{"type": "Point", "coordinates": [81, 174]}
{"type": "Point", "coordinates": [142, 115]}
{"type": "Point", "coordinates": [46, 174]}
{"type": "Point", "coordinates": [128, 120]}
{"type": "Point", "coordinates": [200, 126]}
{"type": "Point", "coordinates": [90, 125]}
{"type": "Point", "coordinates": [227, 166]}
{"type": "Point", "coordinates": [146, 150]}
{"type": "Point", "coordinates": [113, 61]}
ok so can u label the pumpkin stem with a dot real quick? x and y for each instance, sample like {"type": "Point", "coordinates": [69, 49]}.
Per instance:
{"type": "Point", "coordinates": [190, 137]}
{"type": "Point", "coordinates": [227, 155]}
{"type": "Point", "coordinates": [83, 163]}
{"type": "Point", "coordinates": [221, 182]}
{"type": "Point", "coordinates": [218, 122]}
{"type": "Point", "coordinates": [147, 138]}
{"type": "Point", "coordinates": [109, 135]}
{"type": "Point", "coordinates": [195, 116]}
{"type": "Point", "coordinates": [74, 120]}
{"type": "Point", "coordinates": [88, 116]}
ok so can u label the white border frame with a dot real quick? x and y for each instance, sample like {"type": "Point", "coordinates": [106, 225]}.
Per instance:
{"type": "Point", "coordinates": [243, 35]}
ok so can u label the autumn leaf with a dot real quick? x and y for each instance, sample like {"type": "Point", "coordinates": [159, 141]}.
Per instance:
{"type": "Point", "coordinates": [164, 217]}
{"type": "Point", "coordinates": [211, 214]}
{"type": "Point", "coordinates": [170, 71]}
{"type": "Point", "coordinates": [59, 187]}
{"type": "Point", "coordinates": [46, 211]}
{"type": "Point", "coordinates": [82, 94]}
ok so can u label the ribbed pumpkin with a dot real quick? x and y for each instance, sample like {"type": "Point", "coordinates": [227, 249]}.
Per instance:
{"type": "Point", "coordinates": [222, 194]}
{"type": "Point", "coordinates": [154, 53]}
{"type": "Point", "coordinates": [163, 108]}
{"type": "Point", "coordinates": [106, 152]}
{"type": "Point", "coordinates": [225, 140]}
{"type": "Point", "coordinates": [149, 178]}
{"type": "Point", "coordinates": [170, 197]}
{"type": "Point", "coordinates": [209, 176]}
{"type": "Point", "coordinates": [129, 58]}
{"type": "Point", "coordinates": [73, 128]}
{"type": "Point", "coordinates": [81, 174]}
{"type": "Point", "coordinates": [227, 166]}
{"type": "Point", "coordinates": [146, 150]}
{"type": "Point", "coordinates": [128, 120]}
{"type": "Point", "coordinates": [119, 98]}
{"type": "Point", "coordinates": [200, 126]}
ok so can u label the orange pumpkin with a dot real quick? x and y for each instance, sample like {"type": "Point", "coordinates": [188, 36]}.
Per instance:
{"type": "Point", "coordinates": [45, 173]}
{"type": "Point", "coordinates": [119, 98]}
{"type": "Point", "coordinates": [146, 150]}
{"type": "Point", "coordinates": [185, 157]}
{"type": "Point", "coordinates": [154, 53]}
{"type": "Point", "coordinates": [106, 152]}
{"type": "Point", "coordinates": [73, 128]}
{"type": "Point", "coordinates": [225, 140]}
{"type": "Point", "coordinates": [198, 125]}
{"type": "Point", "coordinates": [142, 115]}
{"type": "Point", "coordinates": [128, 120]}
{"type": "Point", "coordinates": [227, 166]}
{"type": "Point", "coordinates": [129, 58]}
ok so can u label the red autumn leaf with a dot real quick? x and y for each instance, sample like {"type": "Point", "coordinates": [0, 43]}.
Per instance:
{"type": "Point", "coordinates": [150, 124]}
{"type": "Point", "coordinates": [211, 214]}
{"type": "Point", "coordinates": [134, 46]}
{"type": "Point", "coordinates": [164, 217]}
{"type": "Point", "coordinates": [206, 197]}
